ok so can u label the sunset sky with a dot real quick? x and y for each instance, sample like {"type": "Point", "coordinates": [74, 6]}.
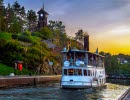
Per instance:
{"type": "Point", "coordinates": [106, 21]}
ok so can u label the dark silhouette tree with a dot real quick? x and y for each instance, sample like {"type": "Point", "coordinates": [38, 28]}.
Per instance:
{"type": "Point", "coordinates": [57, 25]}
{"type": "Point", "coordinates": [19, 17]}
{"type": "Point", "coordinates": [79, 35]}
{"type": "Point", "coordinates": [32, 20]}
{"type": "Point", "coordinates": [2, 16]}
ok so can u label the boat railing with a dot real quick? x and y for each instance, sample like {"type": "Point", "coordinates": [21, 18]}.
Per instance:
{"type": "Point", "coordinates": [95, 63]}
{"type": "Point", "coordinates": [76, 63]}
{"type": "Point", "coordinates": [82, 63]}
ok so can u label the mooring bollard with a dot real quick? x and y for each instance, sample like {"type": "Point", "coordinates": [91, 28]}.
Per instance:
{"type": "Point", "coordinates": [34, 82]}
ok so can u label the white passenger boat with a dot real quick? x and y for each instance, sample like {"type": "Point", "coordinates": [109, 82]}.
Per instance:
{"type": "Point", "coordinates": [82, 69]}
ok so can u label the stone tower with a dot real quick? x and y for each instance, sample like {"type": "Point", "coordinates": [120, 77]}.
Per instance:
{"type": "Point", "coordinates": [42, 18]}
{"type": "Point", "coordinates": [86, 42]}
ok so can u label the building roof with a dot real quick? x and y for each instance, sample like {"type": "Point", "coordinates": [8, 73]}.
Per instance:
{"type": "Point", "coordinates": [42, 11]}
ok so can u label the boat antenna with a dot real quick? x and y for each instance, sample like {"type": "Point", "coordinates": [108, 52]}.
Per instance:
{"type": "Point", "coordinates": [96, 51]}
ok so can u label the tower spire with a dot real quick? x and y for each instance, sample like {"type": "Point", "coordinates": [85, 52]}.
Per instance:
{"type": "Point", "coordinates": [43, 5]}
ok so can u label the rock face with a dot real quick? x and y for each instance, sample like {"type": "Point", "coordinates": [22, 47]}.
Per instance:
{"type": "Point", "coordinates": [47, 69]}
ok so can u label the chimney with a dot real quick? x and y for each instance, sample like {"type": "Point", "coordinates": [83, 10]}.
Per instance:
{"type": "Point", "coordinates": [86, 42]}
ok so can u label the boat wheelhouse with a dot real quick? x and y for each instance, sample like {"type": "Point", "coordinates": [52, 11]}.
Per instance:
{"type": "Point", "coordinates": [82, 69]}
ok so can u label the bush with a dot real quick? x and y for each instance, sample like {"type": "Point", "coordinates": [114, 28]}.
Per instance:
{"type": "Point", "coordinates": [24, 38]}
{"type": "Point", "coordinates": [2, 43]}
{"type": "Point", "coordinates": [46, 33]}
{"type": "Point", "coordinates": [14, 36]}
{"type": "Point", "coordinates": [10, 52]}
{"type": "Point", "coordinates": [5, 36]}
{"type": "Point", "coordinates": [38, 34]}
{"type": "Point", "coordinates": [27, 33]}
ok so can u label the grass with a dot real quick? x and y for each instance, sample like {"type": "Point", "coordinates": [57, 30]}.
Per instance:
{"type": "Point", "coordinates": [5, 36]}
{"type": "Point", "coordinates": [6, 70]}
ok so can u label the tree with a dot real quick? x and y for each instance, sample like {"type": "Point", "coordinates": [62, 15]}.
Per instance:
{"type": "Point", "coordinates": [19, 15]}
{"type": "Point", "coordinates": [57, 25]}
{"type": "Point", "coordinates": [15, 27]}
{"type": "Point", "coordinates": [79, 35]}
{"type": "Point", "coordinates": [46, 33]}
{"type": "Point", "coordinates": [9, 17]}
{"type": "Point", "coordinates": [2, 16]}
{"type": "Point", "coordinates": [32, 19]}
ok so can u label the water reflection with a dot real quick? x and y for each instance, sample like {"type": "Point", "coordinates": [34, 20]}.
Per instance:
{"type": "Point", "coordinates": [119, 81]}
{"type": "Point", "coordinates": [54, 92]}
{"type": "Point", "coordinates": [79, 94]}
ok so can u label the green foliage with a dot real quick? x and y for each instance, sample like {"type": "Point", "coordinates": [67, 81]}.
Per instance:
{"type": "Point", "coordinates": [46, 33]}
{"type": "Point", "coordinates": [27, 33]}
{"type": "Point", "coordinates": [38, 34]}
{"type": "Point", "coordinates": [14, 36]}
{"type": "Point", "coordinates": [2, 43]}
{"type": "Point", "coordinates": [5, 36]}
{"type": "Point", "coordinates": [32, 20]}
{"type": "Point", "coordinates": [24, 45]}
{"type": "Point", "coordinates": [113, 66]}
{"type": "Point", "coordinates": [16, 25]}
{"type": "Point", "coordinates": [57, 25]}
{"type": "Point", "coordinates": [24, 38]}
{"type": "Point", "coordinates": [79, 35]}
{"type": "Point", "coordinates": [35, 40]}
{"type": "Point", "coordinates": [15, 18]}
{"type": "Point", "coordinates": [6, 70]}
{"type": "Point", "coordinates": [2, 17]}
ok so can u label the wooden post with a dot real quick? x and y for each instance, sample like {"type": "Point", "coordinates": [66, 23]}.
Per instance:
{"type": "Point", "coordinates": [34, 82]}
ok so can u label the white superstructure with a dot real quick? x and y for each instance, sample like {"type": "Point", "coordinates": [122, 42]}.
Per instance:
{"type": "Point", "coordinates": [82, 69]}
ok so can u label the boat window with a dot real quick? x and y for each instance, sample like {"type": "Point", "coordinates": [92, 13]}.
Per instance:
{"type": "Point", "coordinates": [65, 71]}
{"type": "Point", "coordinates": [93, 72]}
{"type": "Point", "coordinates": [80, 72]}
{"type": "Point", "coordinates": [70, 71]}
{"type": "Point", "coordinates": [85, 72]}
{"type": "Point", "coordinates": [88, 72]}
{"type": "Point", "coordinates": [75, 72]}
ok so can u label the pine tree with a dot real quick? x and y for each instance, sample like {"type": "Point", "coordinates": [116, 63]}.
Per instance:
{"type": "Point", "coordinates": [32, 20]}
{"type": "Point", "coordinates": [2, 16]}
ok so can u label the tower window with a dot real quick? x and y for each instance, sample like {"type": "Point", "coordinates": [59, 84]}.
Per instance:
{"type": "Point", "coordinates": [41, 15]}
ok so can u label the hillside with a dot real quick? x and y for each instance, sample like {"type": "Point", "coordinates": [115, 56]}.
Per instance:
{"type": "Point", "coordinates": [34, 50]}
{"type": "Point", "coordinates": [26, 48]}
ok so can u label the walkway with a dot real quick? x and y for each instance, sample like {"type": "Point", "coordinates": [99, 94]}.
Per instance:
{"type": "Point", "coordinates": [126, 95]}
{"type": "Point", "coordinates": [12, 81]}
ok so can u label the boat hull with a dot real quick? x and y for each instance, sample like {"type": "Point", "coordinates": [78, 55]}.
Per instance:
{"type": "Point", "coordinates": [80, 84]}
{"type": "Point", "coordinates": [75, 86]}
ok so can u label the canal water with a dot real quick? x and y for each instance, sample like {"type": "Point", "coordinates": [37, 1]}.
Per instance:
{"type": "Point", "coordinates": [52, 91]}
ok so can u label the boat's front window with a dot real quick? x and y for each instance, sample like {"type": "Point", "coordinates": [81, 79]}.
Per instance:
{"type": "Point", "coordinates": [71, 72]}
{"type": "Point", "coordinates": [87, 72]}
{"type": "Point", "coordinates": [65, 71]}
{"type": "Point", "coordinates": [79, 72]}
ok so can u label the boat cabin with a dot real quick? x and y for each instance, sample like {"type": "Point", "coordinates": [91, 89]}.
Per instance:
{"type": "Point", "coordinates": [82, 58]}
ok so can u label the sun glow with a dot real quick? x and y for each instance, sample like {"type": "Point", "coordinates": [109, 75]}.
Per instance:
{"type": "Point", "coordinates": [123, 30]}
{"type": "Point", "coordinates": [116, 40]}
